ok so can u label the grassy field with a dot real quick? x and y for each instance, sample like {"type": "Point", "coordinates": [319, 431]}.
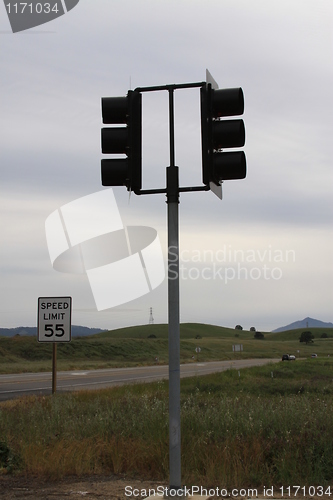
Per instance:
{"type": "Point", "coordinates": [132, 347]}
{"type": "Point", "coordinates": [237, 431]}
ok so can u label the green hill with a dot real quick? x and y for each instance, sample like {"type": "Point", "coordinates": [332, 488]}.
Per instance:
{"type": "Point", "coordinates": [148, 344]}
{"type": "Point", "coordinates": [296, 333]}
{"type": "Point", "coordinates": [187, 331]}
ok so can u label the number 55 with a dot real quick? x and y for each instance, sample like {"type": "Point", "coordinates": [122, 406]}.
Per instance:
{"type": "Point", "coordinates": [58, 328]}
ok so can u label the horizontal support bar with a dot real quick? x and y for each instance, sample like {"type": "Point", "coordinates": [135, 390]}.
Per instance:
{"type": "Point", "coordinates": [194, 188]}
{"type": "Point", "coordinates": [181, 190]}
{"type": "Point", "coordinates": [170, 87]}
{"type": "Point", "coordinates": [151, 191]}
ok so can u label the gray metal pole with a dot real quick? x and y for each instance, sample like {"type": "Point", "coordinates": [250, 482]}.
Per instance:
{"type": "Point", "coordinates": [173, 311]}
{"type": "Point", "coordinates": [174, 346]}
{"type": "Point", "coordinates": [54, 368]}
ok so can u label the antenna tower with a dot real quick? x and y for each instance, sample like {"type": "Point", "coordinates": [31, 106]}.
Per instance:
{"type": "Point", "coordinates": [151, 318]}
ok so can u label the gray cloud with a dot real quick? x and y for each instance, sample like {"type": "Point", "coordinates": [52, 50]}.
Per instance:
{"type": "Point", "coordinates": [279, 52]}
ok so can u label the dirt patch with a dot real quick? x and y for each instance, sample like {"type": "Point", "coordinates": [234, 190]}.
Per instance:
{"type": "Point", "coordinates": [103, 488]}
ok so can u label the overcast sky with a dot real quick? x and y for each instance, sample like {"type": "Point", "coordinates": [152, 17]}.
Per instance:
{"type": "Point", "coordinates": [261, 257]}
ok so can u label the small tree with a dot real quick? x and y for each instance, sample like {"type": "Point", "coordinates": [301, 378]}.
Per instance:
{"type": "Point", "coordinates": [306, 337]}
{"type": "Point", "coordinates": [252, 329]}
{"type": "Point", "coordinates": [324, 336]}
{"type": "Point", "coordinates": [238, 327]}
{"type": "Point", "coordinates": [259, 335]}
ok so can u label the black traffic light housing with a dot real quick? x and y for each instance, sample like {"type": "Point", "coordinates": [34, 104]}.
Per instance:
{"type": "Point", "coordinates": [125, 139]}
{"type": "Point", "coordinates": [217, 134]}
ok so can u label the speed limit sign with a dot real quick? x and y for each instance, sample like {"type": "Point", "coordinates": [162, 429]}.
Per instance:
{"type": "Point", "coordinates": [54, 319]}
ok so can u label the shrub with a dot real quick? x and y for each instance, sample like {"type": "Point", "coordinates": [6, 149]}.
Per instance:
{"type": "Point", "coordinates": [8, 460]}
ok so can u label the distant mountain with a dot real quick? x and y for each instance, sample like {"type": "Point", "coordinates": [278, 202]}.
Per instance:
{"type": "Point", "coordinates": [304, 323]}
{"type": "Point", "coordinates": [77, 331]}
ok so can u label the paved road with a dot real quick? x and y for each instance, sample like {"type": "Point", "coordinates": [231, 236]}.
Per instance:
{"type": "Point", "coordinates": [12, 386]}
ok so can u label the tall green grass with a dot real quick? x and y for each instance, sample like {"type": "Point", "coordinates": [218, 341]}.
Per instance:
{"type": "Point", "coordinates": [239, 429]}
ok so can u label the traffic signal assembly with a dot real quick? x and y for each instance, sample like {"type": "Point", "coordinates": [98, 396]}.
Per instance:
{"type": "Point", "coordinates": [217, 166]}
{"type": "Point", "coordinates": [124, 139]}
{"type": "Point", "coordinates": [217, 133]}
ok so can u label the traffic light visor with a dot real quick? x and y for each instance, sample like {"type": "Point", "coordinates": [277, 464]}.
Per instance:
{"type": "Point", "coordinates": [114, 140]}
{"type": "Point", "coordinates": [228, 133]}
{"type": "Point", "coordinates": [114, 109]}
{"type": "Point", "coordinates": [114, 172]}
{"type": "Point", "coordinates": [227, 102]}
{"type": "Point", "coordinates": [228, 166]}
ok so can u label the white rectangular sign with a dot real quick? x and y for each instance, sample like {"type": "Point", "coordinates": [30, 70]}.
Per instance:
{"type": "Point", "coordinates": [54, 319]}
{"type": "Point", "coordinates": [237, 347]}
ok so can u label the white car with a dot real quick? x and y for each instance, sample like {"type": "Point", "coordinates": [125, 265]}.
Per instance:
{"type": "Point", "coordinates": [292, 357]}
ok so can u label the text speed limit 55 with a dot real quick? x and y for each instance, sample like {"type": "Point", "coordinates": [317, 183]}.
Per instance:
{"type": "Point", "coordinates": [54, 319]}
